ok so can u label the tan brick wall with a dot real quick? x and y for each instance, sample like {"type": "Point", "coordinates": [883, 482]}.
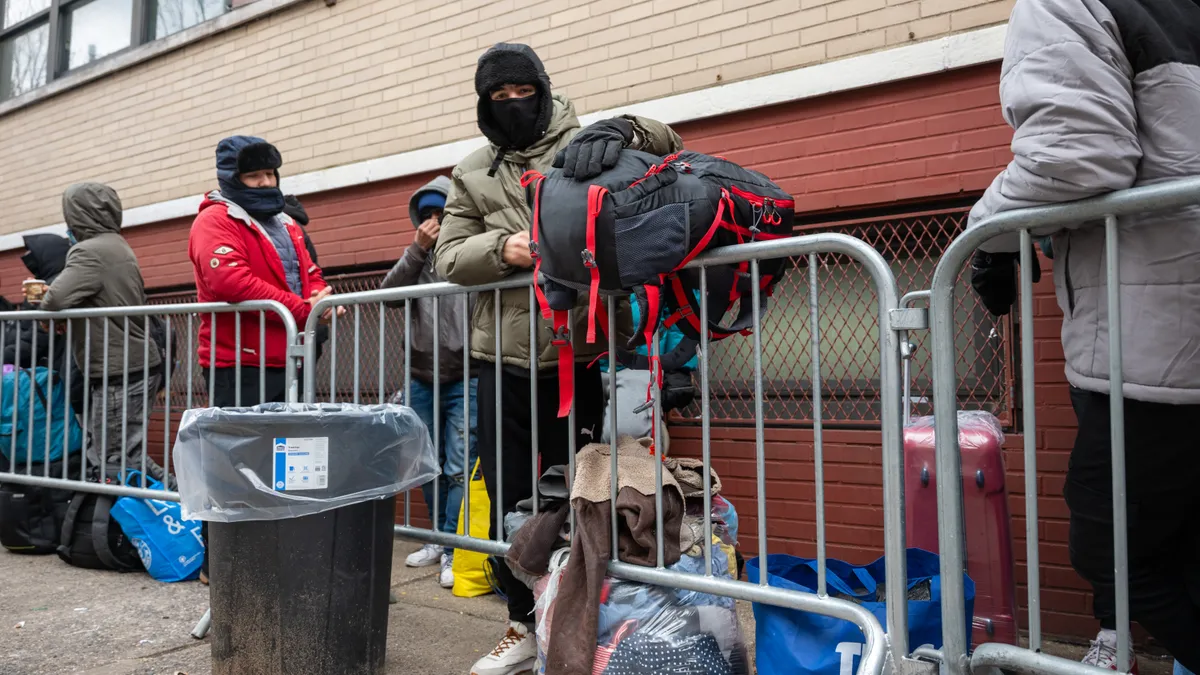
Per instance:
{"type": "Point", "coordinates": [367, 78]}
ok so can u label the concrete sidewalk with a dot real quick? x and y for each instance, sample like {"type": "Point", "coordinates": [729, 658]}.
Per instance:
{"type": "Point", "coordinates": [58, 620]}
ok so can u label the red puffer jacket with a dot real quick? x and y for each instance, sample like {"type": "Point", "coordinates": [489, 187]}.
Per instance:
{"type": "Point", "coordinates": [235, 261]}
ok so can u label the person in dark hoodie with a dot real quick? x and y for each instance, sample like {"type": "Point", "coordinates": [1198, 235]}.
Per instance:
{"type": "Point", "coordinates": [101, 270]}
{"type": "Point", "coordinates": [416, 266]}
{"type": "Point", "coordinates": [485, 238]}
{"type": "Point", "coordinates": [245, 247]}
{"type": "Point", "coordinates": [45, 257]}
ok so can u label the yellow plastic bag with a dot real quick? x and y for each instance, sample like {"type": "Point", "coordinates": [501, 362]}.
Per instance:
{"type": "Point", "coordinates": [470, 567]}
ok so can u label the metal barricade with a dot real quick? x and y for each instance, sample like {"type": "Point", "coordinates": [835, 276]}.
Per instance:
{"type": "Point", "coordinates": [81, 326]}
{"type": "Point", "coordinates": [877, 647]}
{"type": "Point", "coordinates": [951, 520]}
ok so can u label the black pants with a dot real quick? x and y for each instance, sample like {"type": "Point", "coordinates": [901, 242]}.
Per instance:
{"type": "Point", "coordinates": [516, 442]}
{"type": "Point", "coordinates": [225, 391]}
{"type": "Point", "coordinates": [225, 387]}
{"type": "Point", "coordinates": [1162, 465]}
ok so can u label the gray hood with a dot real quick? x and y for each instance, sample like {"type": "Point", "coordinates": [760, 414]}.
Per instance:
{"type": "Point", "coordinates": [440, 185]}
{"type": "Point", "coordinates": [91, 209]}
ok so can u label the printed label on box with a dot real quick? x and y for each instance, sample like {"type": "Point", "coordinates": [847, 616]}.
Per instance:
{"type": "Point", "coordinates": [301, 464]}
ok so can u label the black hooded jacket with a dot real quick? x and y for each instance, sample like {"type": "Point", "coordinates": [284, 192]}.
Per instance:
{"type": "Point", "coordinates": [45, 258]}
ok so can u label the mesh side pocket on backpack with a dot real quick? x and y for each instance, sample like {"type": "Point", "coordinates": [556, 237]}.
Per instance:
{"type": "Point", "coordinates": [651, 243]}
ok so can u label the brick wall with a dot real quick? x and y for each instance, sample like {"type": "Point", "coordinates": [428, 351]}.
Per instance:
{"type": "Point", "coordinates": [908, 142]}
{"type": "Point", "coordinates": [368, 78]}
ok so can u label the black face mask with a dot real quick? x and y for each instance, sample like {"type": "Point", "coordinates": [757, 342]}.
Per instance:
{"type": "Point", "coordinates": [517, 119]}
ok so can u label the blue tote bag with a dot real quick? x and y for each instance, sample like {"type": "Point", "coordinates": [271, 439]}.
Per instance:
{"type": "Point", "coordinates": [791, 641]}
{"type": "Point", "coordinates": [171, 548]}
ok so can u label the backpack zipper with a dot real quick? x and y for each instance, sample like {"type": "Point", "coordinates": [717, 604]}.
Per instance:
{"type": "Point", "coordinates": [760, 201]}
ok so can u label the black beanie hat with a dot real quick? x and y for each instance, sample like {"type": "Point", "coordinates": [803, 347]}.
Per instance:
{"type": "Point", "coordinates": [507, 63]}
{"type": "Point", "coordinates": [261, 156]}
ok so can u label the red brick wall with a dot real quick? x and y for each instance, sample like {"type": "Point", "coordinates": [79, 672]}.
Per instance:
{"type": "Point", "coordinates": [914, 141]}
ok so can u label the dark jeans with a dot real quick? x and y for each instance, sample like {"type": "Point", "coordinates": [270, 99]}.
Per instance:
{"type": "Point", "coordinates": [517, 440]}
{"type": "Point", "coordinates": [453, 406]}
{"type": "Point", "coordinates": [1162, 465]}
{"type": "Point", "coordinates": [225, 392]}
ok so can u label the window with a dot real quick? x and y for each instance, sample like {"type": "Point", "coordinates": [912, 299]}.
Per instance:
{"type": "Point", "coordinates": [23, 61]}
{"type": "Point", "coordinates": [41, 40]}
{"type": "Point", "coordinates": [849, 324]}
{"type": "Point", "coordinates": [165, 17]}
{"type": "Point", "coordinates": [96, 29]}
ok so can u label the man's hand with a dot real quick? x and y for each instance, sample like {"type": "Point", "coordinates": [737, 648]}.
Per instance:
{"type": "Point", "coordinates": [516, 250]}
{"type": "Point", "coordinates": [595, 149]}
{"type": "Point", "coordinates": [318, 296]}
{"type": "Point", "coordinates": [994, 278]}
{"type": "Point", "coordinates": [427, 233]}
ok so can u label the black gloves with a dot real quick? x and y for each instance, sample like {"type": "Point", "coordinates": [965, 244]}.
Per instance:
{"type": "Point", "coordinates": [994, 278]}
{"type": "Point", "coordinates": [595, 149]}
{"type": "Point", "coordinates": [678, 391]}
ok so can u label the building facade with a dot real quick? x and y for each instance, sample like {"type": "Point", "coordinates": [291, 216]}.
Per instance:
{"type": "Point", "coordinates": [881, 116]}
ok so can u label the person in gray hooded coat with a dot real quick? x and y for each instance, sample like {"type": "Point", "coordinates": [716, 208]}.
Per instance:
{"type": "Point", "coordinates": [416, 267]}
{"type": "Point", "coordinates": [102, 271]}
{"type": "Point", "coordinates": [1103, 95]}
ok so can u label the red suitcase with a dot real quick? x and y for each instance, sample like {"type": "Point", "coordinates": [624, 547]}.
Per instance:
{"type": "Point", "coordinates": [990, 561]}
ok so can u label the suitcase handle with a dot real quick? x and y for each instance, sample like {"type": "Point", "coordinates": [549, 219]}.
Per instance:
{"type": "Point", "coordinates": [906, 353]}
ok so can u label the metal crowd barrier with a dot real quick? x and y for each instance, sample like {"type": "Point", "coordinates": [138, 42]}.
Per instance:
{"type": "Point", "coordinates": [878, 645]}
{"type": "Point", "coordinates": [67, 325]}
{"type": "Point", "coordinates": [954, 655]}
{"type": "Point", "coordinates": [71, 322]}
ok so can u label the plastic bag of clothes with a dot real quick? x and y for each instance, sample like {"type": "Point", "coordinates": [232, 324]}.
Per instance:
{"type": "Point", "coordinates": [653, 629]}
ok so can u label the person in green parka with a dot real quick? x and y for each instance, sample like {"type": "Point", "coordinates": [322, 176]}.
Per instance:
{"type": "Point", "coordinates": [485, 238]}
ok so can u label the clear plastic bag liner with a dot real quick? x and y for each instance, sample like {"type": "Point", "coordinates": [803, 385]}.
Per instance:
{"type": "Point", "coordinates": [976, 428]}
{"type": "Point", "coordinates": [278, 460]}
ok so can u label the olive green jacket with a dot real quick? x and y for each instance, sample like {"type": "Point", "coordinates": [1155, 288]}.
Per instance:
{"type": "Point", "coordinates": [483, 211]}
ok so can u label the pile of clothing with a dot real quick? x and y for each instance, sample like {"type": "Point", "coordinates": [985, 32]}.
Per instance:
{"type": "Point", "coordinates": [637, 628]}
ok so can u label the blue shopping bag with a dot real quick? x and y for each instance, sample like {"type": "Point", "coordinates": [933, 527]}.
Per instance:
{"type": "Point", "coordinates": [791, 641]}
{"type": "Point", "coordinates": [171, 548]}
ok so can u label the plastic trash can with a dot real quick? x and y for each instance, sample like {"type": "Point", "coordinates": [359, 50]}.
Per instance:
{"type": "Point", "coordinates": [300, 502]}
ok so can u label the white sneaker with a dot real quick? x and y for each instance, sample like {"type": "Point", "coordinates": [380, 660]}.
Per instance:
{"type": "Point", "coordinates": [515, 655]}
{"type": "Point", "coordinates": [1103, 653]}
{"type": "Point", "coordinates": [446, 578]}
{"type": "Point", "coordinates": [429, 554]}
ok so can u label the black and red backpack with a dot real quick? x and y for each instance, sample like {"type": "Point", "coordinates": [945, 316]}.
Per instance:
{"type": "Point", "coordinates": [633, 228]}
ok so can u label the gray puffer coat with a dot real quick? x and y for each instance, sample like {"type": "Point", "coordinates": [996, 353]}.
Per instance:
{"type": "Point", "coordinates": [1105, 95]}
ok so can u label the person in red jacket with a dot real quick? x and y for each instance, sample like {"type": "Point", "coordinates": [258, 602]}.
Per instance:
{"type": "Point", "coordinates": [244, 247]}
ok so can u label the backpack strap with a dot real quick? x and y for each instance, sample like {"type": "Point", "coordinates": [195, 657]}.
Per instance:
{"type": "Point", "coordinates": [596, 195]}
{"type": "Point", "coordinates": [536, 178]}
{"type": "Point", "coordinates": [741, 324]}
{"type": "Point", "coordinates": [566, 361]}
{"type": "Point", "coordinates": [101, 519]}
{"type": "Point", "coordinates": [68, 528]}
